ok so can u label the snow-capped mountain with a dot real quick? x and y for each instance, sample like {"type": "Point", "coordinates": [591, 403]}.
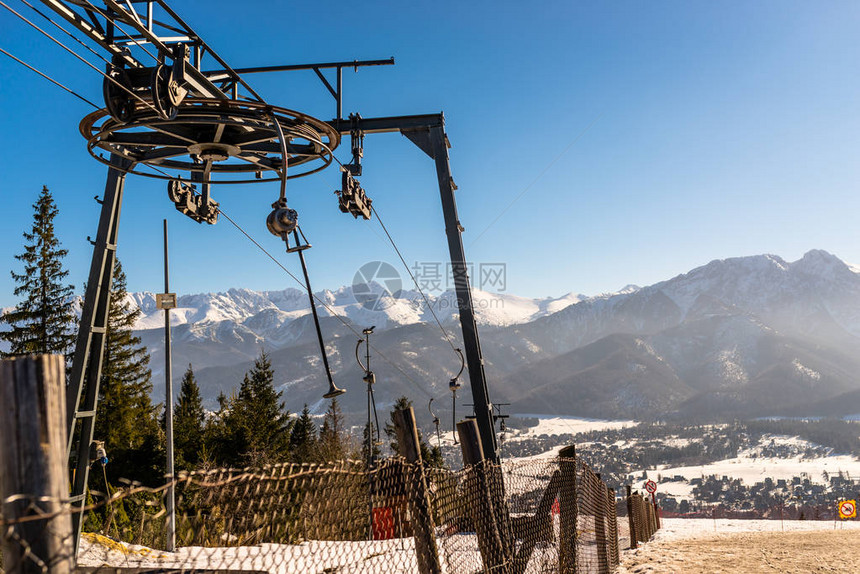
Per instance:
{"type": "Point", "coordinates": [748, 335]}
{"type": "Point", "coordinates": [265, 313]}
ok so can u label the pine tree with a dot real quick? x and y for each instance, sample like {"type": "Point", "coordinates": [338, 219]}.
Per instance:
{"type": "Point", "coordinates": [43, 322]}
{"type": "Point", "coordinates": [334, 444]}
{"type": "Point", "coordinates": [188, 422]}
{"type": "Point", "coordinates": [430, 456]}
{"type": "Point", "coordinates": [256, 426]}
{"type": "Point", "coordinates": [127, 421]}
{"type": "Point", "coordinates": [303, 440]}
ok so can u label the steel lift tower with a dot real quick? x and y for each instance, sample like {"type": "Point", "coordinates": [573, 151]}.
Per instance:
{"type": "Point", "coordinates": [175, 110]}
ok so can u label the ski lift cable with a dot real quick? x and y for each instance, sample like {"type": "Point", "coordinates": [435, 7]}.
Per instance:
{"type": "Point", "coordinates": [69, 34]}
{"type": "Point", "coordinates": [49, 78]}
{"type": "Point", "coordinates": [412, 276]}
{"type": "Point", "coordinates": [322, 302]}
{"type": "Point", "coordinates": [79, 57]}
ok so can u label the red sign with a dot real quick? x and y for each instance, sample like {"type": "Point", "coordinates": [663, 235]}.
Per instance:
{"type": "Point", "coordinates": [651, 486]}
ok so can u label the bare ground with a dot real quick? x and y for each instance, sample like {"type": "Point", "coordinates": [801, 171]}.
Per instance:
{"type": "Point", "coordinates": [748, 553]}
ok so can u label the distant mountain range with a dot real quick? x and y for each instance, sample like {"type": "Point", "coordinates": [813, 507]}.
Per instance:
{"type": "Point", "coordinates": [741, 337]}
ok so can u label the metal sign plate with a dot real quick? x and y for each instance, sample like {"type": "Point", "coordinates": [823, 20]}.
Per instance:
{"type": "Point", "coordinates": [165, 300]}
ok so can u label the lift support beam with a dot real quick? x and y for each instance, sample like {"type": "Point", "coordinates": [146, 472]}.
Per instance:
{"type": "Point", "coordinates": [425, 131]}
{"type": "Point", "coordinates": [428, 133]}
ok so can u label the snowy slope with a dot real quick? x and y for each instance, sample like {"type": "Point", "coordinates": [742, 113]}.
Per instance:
{"type": "Point", "coordinates": [267, 311]}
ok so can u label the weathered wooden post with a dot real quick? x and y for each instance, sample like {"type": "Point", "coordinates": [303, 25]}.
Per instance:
{"type": "Point", "coordinates": [33, 464]}
{"type": "Point", "coordinates": [567, 511]}
{"type": "Point", "coordinates": [423, 528]}
{"type": "Point", "coordinates": [479, 498]}
{"type": "Point", "coordinates": [631, 518]}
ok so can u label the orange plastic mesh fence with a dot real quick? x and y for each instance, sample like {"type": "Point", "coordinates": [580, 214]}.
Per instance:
{"type": "Point", "coordinates": [550, 515]}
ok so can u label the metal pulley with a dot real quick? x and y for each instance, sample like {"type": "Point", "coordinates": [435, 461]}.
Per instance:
{"type": "Point", "coordinates": [282, 220]}
{"type": "Point", "coordinates": [160, 85]}
{"type": "Point", "coordinates": [163, 97]}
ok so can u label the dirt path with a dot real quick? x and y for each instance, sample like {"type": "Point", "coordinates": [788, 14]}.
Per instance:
{"type": "Point", "coordinates": [748, 553]}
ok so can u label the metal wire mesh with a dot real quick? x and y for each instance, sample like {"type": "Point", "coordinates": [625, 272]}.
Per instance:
{"type": "Point", "coordinates": [548, 515]}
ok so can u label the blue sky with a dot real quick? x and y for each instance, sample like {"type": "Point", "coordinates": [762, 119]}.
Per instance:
{"type": "Point", "coordinates": [642, 139]}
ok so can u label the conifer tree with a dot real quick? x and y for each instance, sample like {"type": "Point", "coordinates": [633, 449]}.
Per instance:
{"type": "Point", "coordinates": [256, 426]}
{"type": "Point", "coordinates": [189, 418]}
{"type": "Point", "coordinates": [43, 321]}
{"type": "Point", "coordinates": [303, 440]}
{"type": "Point", "coordinates": [334, 444]}
{"type": "Point", "coordinates": [430, 456]}
{"type": "Point", "coordinates": [127, 420]}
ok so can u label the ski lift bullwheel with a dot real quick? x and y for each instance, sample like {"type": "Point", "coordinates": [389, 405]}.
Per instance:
{"type": "Point", "coordinates": [232, 141]}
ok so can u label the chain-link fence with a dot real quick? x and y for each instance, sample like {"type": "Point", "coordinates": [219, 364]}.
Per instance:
{"type": "Point", "coordinates": [546, 515]}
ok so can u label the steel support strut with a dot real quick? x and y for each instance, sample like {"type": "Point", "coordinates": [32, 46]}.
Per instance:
{"type": "Point", "coordinates": [471, 342]}
{"type": "Point", "coordinates": [428, 133]}
{"type": "Point", "coordinates": [90, 344]}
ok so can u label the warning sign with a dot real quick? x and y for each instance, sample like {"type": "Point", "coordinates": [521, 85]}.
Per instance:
{"type": "Point", "coordinates": [651, 486]}
{"type": "Point", "coordinates": [848, 509]}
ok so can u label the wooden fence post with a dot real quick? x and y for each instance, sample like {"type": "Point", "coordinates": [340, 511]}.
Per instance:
{"type": "Point", "coordinates": [33, 464]}
{"type": "Point", "coordinates": [423, 528]}
{"type": "Point", "coordinates": [631, 518]}
{"type": "Point", "coordinates": [479, 498]}
{"type": "Point", "coordinates": [568, 511]}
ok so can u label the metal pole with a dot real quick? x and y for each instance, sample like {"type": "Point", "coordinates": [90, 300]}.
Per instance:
{"type": "Point", "coordinates": [316, 319]}
{"type": "Point", "coordinates": [168, 385]}
{"type": "Point", "coordinates": [474, 359]}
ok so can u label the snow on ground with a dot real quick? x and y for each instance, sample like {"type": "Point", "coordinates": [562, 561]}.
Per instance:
{"type": "Point", "coordinates": [751, 467]}
{"type": "Point", "coordinates": [457, 553]}
{"type": "Point", "coordinates": [556, 425]}
{"type": "Point", "coordinates": [551, 425]}
{"type": "Point", "coordinates": [390, 556]}
{"type": "Point", "coordinates": [753, 470]}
